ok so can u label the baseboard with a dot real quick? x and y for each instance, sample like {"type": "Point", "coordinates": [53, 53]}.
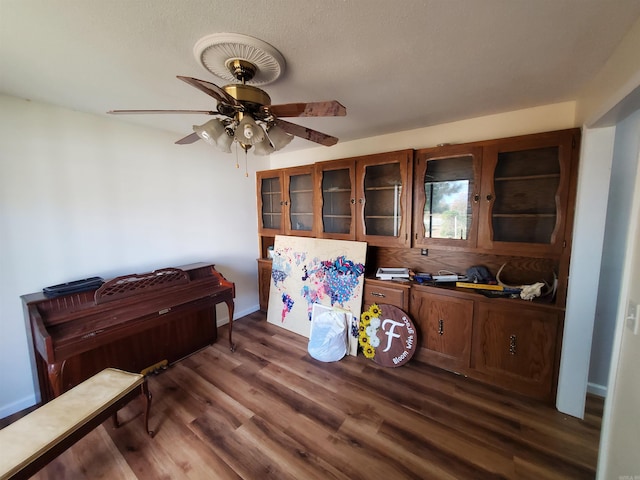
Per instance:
{"type": "Point", "coordinates": [597, 390]}
{"type": "Point", "coordinates": [17, 406]}
{"type": "Point", "coordinates": [223, 320]}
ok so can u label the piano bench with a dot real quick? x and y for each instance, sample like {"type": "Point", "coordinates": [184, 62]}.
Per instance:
{"type": "Point", "coordinates": [34, 440]}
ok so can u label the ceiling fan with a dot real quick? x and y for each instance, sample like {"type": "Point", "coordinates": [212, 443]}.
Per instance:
{"type": "Point", "coordinates": [245, 113]}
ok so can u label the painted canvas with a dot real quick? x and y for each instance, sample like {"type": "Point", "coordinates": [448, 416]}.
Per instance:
{"type": "Point", "coordinates": [314, 270]}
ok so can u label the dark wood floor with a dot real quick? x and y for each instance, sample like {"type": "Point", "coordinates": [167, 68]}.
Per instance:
{"type": "Point", "coordinates": [269, 411]}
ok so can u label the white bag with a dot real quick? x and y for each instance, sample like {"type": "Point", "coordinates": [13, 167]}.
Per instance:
{"type": "Point", "coordinates": [328, 341]}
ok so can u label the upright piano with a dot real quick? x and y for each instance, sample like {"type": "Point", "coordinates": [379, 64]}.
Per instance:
{"type": "Point", "coordinates": [131, 322]}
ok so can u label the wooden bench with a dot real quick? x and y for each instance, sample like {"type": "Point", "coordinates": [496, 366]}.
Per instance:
{"type": "Point", "coordinates": [33, 441]}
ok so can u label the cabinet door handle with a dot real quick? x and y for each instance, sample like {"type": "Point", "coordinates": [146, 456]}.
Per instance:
{"type": "Point", "coordinates": [361, 201]}
{"type": "Point", "coordinates": [353, 201]}
{"type": "Point", "coordinates": [378, 294]}
{"type": "Point", "coordinates": [512, 344]}
{"type": "Point", "coordinates": [441, 327]}
{"type": "Point", "coordinates": [476, 197]}
{"type": "Point", "coordinates": [286, 202]}
{"type": "Point", "coordinates": [489, 197]}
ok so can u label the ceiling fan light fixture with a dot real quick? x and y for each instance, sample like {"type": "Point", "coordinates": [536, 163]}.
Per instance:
{"type": "Point", "coordinates": [263, 148]}
{"type": "Point", "coordinates": [279, 138]}
{"type": "Point", "coordinates": [210, 131]}
{"type": "Point", "coordinates": [249, 132]}
{"type": "Point", "coordinates": [224, 142]}
{"type": "Point", "coordinates": [214, 133]}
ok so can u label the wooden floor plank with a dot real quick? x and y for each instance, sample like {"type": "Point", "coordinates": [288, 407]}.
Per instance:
{"type": "Point", "coordinates": [270, 411]}
{"type": "Point", "coordinates": [94, 456]}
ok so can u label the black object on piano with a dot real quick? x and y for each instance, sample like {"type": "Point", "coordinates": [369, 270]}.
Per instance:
{"type": "Point", "coordinates": [76, 286]}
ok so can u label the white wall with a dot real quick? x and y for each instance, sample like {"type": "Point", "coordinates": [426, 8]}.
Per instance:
{"type": "Point", "coordinates": [520, 122]}
{"type": "Point", "coordinates": [621, 423]}
{"type": "Point", "coordinates": [622, 183]}
{"type": "Point", "coordinates": [594, 172]}
{"type": "Point", "coordinates": [602, 100]}
{"type": "Point", "coordinates": [84, 195]}
{"type": "Point", "coordinates": [608, 98]}
{"type": "Point", "coordinates": [612, 100]}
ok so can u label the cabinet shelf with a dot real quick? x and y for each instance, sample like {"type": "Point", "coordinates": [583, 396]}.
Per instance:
{"type": "Point", "coordinates": [527, 177]}
{"type": "Point", "coordinates": [337, 190]}
{"type": "Point", "coordinates": [383, 188]}
{"type": "Point", "coordinates": [524, 215]}
{"type": "Point", "coordinates": [301, 191]}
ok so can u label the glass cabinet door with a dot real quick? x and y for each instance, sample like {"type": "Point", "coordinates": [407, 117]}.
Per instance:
{"type": "Point", "coordinates": [525, 185]}
{"type": "Point", "coordinates": [382, 190]}
{"type": "Point", "coordinates": [446, 195]}
{"type": "Point", "coordinates": [270, 201]}
{"type": "Point", "coordinates": [383, 200]}
{"type": "Point", "coordinates": [525, 191]}
{"type": "Point", "coordinates": [337, 199]}
{"type": "Point", "coordinates": [299, 201]}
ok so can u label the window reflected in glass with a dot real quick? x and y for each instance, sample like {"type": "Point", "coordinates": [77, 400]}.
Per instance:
{"type": "Point", "coordinates": [448, 188]}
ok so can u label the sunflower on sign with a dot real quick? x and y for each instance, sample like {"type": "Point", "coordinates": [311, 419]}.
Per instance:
{"type": "Point", "coordinates": [368, 328]}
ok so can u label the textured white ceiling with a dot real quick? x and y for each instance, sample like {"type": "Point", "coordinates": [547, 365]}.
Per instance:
{"type": "Point", "coordinates": [395, 65]}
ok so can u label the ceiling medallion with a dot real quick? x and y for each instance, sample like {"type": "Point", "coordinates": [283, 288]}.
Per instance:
{"type": "Point", "coordinates": [218, 53]}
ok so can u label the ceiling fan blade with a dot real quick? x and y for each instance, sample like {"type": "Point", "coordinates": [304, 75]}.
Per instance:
{"type": "Point", "coordinates": [134, 112]}
{"type": "Point", "coordinates": [210, 89]}
{"type": "Point", "coordinates": [191, 138]}
{"type": "Point", "coordinates": [331, 108]}
{"type": "Point", "coordinates": [307, 133]}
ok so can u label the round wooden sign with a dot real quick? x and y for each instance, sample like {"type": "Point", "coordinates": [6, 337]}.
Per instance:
{"type": "Point", "coordinates": [387, 335]}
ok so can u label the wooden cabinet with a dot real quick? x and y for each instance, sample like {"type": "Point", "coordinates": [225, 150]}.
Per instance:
{"type": "Point", "coordinates": [492, 203]}
{"type": "Point", "coordinates": [525, 190]}
{"type": "Point", "coordinates": [285, 201]}
{"type": "Point", "coordinates": [264, 283]}
{"type": "Point", "coordinates": [444, 328]}
{"type": "Point", "coordinates": [298, 201]}
{"type": "Point", "coordinates": [336, 202]}
{"type": "Point", "coordinates": [270, 202]}
{"type": "Point", "coordinates": [385, 292]}
{"type": "Point", "coordinates": [447, 196]}
{"type": "Point", "coordinates": [507, 195]}
{"type": "Point", "coordinates": [512, 344]}
{"type": "Point", "coordinates": [516, 346]}
{"type": "Point", "coordinates": [366, 198]}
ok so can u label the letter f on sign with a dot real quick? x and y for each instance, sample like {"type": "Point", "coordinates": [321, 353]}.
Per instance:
{"type": "Point", "coordinates": [390, 334]}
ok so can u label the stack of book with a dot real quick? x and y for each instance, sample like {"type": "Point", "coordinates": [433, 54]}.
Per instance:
{"type": "Point", "coordinates": [392, 273]}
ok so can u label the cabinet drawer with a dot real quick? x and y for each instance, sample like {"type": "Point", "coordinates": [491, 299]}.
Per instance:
{"type": "Point", "coordinates": [388, 294]}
